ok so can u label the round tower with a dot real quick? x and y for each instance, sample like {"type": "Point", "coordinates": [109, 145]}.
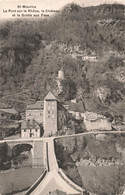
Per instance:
{"type": "Point", "coordinates": [60, 78]}
{"type": "Point", "coordinates": [61, 74]}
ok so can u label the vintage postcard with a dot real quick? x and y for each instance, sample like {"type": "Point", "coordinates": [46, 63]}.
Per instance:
{"type": "Point", "coordinates": [62, 97]}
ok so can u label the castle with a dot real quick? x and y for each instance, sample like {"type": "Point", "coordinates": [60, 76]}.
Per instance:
{"type": "Point", "coordinates": [45, 118]}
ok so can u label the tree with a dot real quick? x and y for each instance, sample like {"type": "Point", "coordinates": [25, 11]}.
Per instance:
{"type": "Point", "coordinates": [69, 89]}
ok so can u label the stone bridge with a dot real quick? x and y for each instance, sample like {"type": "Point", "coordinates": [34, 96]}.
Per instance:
{"type": "Point", "coordinates": [37, 149]}
{"type": "Point", "coordinates": [53, 178]}
{"type": "Point", "coordinates": [43, 153]}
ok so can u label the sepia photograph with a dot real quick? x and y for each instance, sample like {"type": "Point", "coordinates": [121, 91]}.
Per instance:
{"type": "Point", "coordinates": [62, 97]}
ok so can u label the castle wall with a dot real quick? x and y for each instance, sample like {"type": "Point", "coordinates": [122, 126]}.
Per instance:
{"type": "Point", "coordinates": [50, 117]}
{"type": "Point", "coordinates": [63, 116]}
{"type": "Point", "coordinates": [37, 115]}
{"type": "Point", "coordinates": [101, 124]}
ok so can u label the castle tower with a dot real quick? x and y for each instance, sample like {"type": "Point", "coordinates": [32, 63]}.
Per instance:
{"type": "Point", "coordinates": [60, 78]}
{"type": "Point", "coordinates": [61, 74]}
{"type": "Point", "coordinates": [50, 115]}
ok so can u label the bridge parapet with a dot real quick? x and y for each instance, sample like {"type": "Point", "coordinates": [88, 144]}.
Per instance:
{"type": "Point", "coordinates": [38, 181]}
{"type": "Point", "coordinates": [37, 149]}
{"type": "Point", "coordinates": [71, 183]}
{"type": "Point", "coordinates": [13, 142]}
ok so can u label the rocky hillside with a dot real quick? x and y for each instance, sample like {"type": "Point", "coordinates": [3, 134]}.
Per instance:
{"type": "Point", "coordinates": [31, 53]}
{"type": "Point", "coordinates": [99, 160]}
{"type": "Point", "coordinates": [93, 147]}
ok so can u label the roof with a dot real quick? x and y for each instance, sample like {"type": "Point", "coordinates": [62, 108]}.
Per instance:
{"type": "Point", "coordinates": [50, 96]}
{"type": "Point", "coordinates": [30, 124]}
{"type": "Point", "coordinates": [92, 116]}
{"type": "Point", "coordinates": [37, 106]}
{"type": "Point", "coordinates": [76, 107]}
{"type": "Point", "coordinates": [58, 192]}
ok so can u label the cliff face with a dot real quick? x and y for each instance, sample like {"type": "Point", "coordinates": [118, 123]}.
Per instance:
{"type": "Point", "coordinates": [106, 11]}
{"type": "Point", "coordinates": [92, 147]}
{"type": "Point", "coordinates": [98, 162]}
{"type": "Point", "coordinates": [66, 163]}
{"type": "Point", "coordinates": [31, 53]}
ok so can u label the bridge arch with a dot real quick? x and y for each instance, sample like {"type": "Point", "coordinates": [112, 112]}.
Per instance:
{"type": "Point", "coordinates": [22, 154]}
{"type": "Point", "coordinates": [22, 147]}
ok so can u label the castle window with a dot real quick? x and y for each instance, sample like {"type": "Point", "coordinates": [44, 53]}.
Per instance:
{"type": "Point", "coordinates": [48, 116]}
{"type": "Point", "coordinates": [48, 103]}
{"type": "Point", "coordinates": [48, 112]}
{"type": "Point", "coordinates": [33, 123]}
{"type": "Point", "coordinates": [28, 123]}
{"type": "Point", "coordinates": [36, 130]}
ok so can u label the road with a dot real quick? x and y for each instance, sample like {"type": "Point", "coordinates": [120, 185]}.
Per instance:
{"type": "Point", "coordinates": [63, 136]}
{"type": "Point", "coordinates": [53, 179]}
{"type": "Point", "coordinates": [52, 162]}
{"type": "Point", "coordinates": [91, 133]}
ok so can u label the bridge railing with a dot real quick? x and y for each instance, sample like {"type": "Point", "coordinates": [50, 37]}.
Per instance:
{"type": "Point", "coordinates": [71, 183]}
{"type": "Point", "coordinates": [47, 158]}
{"type": "Point", "coordinates": [33, 187]}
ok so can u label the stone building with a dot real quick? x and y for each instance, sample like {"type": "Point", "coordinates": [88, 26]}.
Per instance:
{"type": "Point", "coordinates": [95, 121]}
{"type": "Point", "coordinates": [91, 58]}
{"type": "Point", "coordinates": [76, 109]}
{"type": "Point", "coordinates": [49, 114]}
{"type": "Point", "coordinates": [30, 128]}
{"type": "Point", "coordinates": [55, 115]}
{"type": "Point", "coordinates": [35, 111]}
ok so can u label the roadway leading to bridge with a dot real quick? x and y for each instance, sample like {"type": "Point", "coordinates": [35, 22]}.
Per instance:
{"type": "Point", "coordinates": [55, 178]}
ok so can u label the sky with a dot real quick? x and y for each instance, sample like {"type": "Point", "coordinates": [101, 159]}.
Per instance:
{"type": "Point", "coordinates": [7, 7]}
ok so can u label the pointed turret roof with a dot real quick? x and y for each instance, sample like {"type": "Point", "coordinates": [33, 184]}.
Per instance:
{"type": "Point", "coordinates": [50, 96]}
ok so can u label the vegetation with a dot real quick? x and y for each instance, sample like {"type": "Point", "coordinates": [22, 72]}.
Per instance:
{"type": "Point", "coordinates": [100, 180]}
{"type": "Point", "coordinates": [4, 158]}
{"type": "Point", "coordinates": [32, 52]}
{"type": "Point", "coordinates": [19, 179]}
{"type": "Point", "coordinates": [66, 163]}
{"type": "Point", "coordinates": [20, 155]}
{"type": "Point", "coordinates": [89, 147]}
{"type": "Point", "coordinates": [9, 124]}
